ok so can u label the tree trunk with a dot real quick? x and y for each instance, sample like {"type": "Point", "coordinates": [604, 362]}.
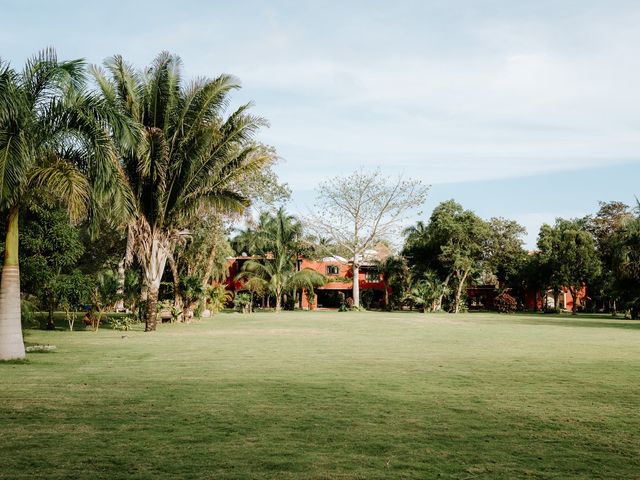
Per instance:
{"type": "Point", "coordinates": [574, 295]}
{"type": "Point", "coordinates": [386, 296]}
{"type": "Point", "coordinates": [11, 343]}
{"type": "Point", "coordinates": [208, 272]}
{"type": "Point", "coordinates": [178, 300]}
{"type": "Point", "coordinates": [50, 324]}
{"type": "Point", "coordinates": [356, 285]}
{"type": "Point", "coordinates": [152, 310]}
{"type": "Point", "coordinates": [438, 306]}
{"type": "Point", "coordinates": [153, 270]}
{"type": "Point", "coordinates": [187, 312]}
{"type": "Point", "coordinates": [278, 302]}
{"type": "Point", "coordinates": [459, 291]}
{"type": "Point", "coordinates": [119, 307]}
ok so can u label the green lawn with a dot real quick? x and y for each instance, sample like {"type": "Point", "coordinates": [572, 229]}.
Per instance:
{"type": "Point", "coordinates": [329, 395]}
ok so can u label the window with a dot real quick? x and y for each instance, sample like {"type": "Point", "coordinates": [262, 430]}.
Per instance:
{"type": "Point", "coordinates": [333, 269]}
{"type": "Point", "coordinates": [372, 276]}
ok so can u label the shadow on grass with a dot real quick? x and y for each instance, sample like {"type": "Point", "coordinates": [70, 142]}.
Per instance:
{"type": "Point", "coordinates": [580, 320]}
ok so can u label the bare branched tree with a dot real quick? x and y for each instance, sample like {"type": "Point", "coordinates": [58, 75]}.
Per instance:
{"type": "Point", "coordinates": [359, 210]}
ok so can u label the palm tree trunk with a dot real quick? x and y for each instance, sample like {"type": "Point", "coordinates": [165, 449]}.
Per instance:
{"type": "Point", "coordinates": [11, 342]}
{"type": "Point", "coordinates": [121, 272]}
{"type": "Point", "coordinates": [153, 270]}
{"type": "Point", "coordinates": [152, 310]}
{"type": "Point", "coordinates": [278, 301]}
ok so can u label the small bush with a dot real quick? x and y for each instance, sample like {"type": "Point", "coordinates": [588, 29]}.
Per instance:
{"type": "Point", "coordinates": [242, 303]}
{"type": "Point", "coordinates": [125, 323]}
{"type": "Point", "coordinates": [505, 303]}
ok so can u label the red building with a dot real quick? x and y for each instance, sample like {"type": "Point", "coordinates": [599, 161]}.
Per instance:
{"type": "Point", "coordinates": [537, 301]}
{"type": "Point", "coordinates": [481, 297]}
{"type": "Point", "coordinates": [339, 273]}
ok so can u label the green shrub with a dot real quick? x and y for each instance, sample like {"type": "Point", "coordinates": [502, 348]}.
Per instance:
{"type": "Point", "coordinates": [242, 302]}
{"type": "Point", "coordinates": [124, 323]}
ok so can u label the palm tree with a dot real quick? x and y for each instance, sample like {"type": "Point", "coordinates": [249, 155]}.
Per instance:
{"type": "Point", "coordinates": [53, 135]}
{"type": "Point", "coordinates": [426, 292]}
{"type": "Point", "coordinates": [278, 240]}
{"type": "Point", "coordinates": [397, 278]}
{"type": "Point", "coordinates": [191, 159]}
{"type": "Point", "coordinates": [279, 277]}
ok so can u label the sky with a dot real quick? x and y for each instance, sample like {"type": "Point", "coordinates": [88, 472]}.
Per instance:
{"type": "Point", "coordinates": [520, 109]}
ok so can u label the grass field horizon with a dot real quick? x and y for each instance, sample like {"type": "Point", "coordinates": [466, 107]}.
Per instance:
{"type": "Point", "coordinates": [329, 395]}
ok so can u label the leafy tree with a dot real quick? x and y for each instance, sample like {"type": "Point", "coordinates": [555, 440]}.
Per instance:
{"type": "Point", "coordinates": [605, 227]}
{"type": "Point", "coordinates": [71, 291]}
{"type": "Point", "coordinates": [105, 295]}
{"type": "Point", "coordinates": [571, 253]}
{"type": "Point", "coordinates": [203, 254]}
{"type": "Point", "coordinates": [359, 210]}
{"type": "Point", "coordinates": [626, 264]}
{"type": "Point", "coordinates": [397, 279]}
{"type": "Point", "coordinates": [452, 244]}
{"type": "Point", "coordinates": [504, 252]}
{"type": "Point", "coordinates": [192, 157]}
{"type": "Point", "coordinates": [53, 135]}
{"type": "Point", "coordinates": [50, 249]}
{"type": "Point", "coordinates": [535, 276]}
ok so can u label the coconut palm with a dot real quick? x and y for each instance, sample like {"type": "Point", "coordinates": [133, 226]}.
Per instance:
{"type": "Point", "coordinates": [192, 156]}
{"type": "Point", "coordinates": [53, 136]}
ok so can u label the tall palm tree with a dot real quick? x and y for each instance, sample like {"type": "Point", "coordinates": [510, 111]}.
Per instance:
{"type": "Point", "coordinates": [278, 239]}
{"type": "Point", "coordinates": [54, 135]}
{"type": "Point", "coordinates": [191, 158]}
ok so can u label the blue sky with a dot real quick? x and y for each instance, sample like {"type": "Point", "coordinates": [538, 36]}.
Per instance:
{"type": "Point", "coordinates": [528, 110]}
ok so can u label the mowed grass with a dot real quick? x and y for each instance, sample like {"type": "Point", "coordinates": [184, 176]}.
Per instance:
{"type": "Point", "coordinates": [327, 395]}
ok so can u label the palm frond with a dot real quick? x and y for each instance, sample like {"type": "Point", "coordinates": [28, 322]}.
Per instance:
{"type": "Point", "coordinates": [66, 182]}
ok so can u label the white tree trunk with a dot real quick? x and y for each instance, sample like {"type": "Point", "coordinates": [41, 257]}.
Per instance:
{"type": "Point", "coordinates": [356, 285]}
{"type": "Point", "coordinates": [459, 290]}
{"type": "Point", "coordinates": [11, 343]}
{"type": "Point", "coordinates": [120, 303]}
{"type": "Point", "coordinates": [438, 305]}
{"type": "Point", "coordinates": [153, 271]}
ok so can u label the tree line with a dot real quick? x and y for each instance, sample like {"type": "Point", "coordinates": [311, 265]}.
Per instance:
{"type": "Point", "coordinates": [456, 248]}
